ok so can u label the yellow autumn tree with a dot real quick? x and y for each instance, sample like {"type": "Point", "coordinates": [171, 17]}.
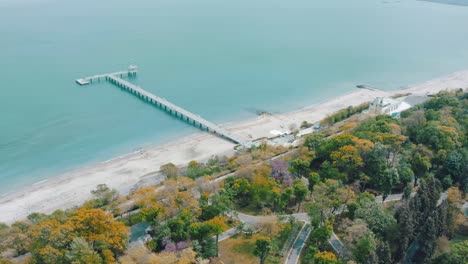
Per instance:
{"type": "Point", "coordinates": [95, 225]}
{"type": "Point", "coordinates": [217, 226]}
{"type": "Point", "coordinates": [347, 159]}
{"type": "Point", "coordinates": [325, 257]}
{"type": "Point", "coordinates": [52, 240]}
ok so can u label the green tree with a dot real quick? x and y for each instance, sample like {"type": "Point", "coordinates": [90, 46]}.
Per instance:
{"type": "Point", "coordinates": [321, 234]}
{"type": "Point", "coordinates": [387, 181]}
{"type": "Point", "coordinates": [37, 218]}
{"type": "Point", "coordinates": [381, 164]}
{"type": "Point", "coordinates": [170, 170]}
{"type": "Point", "coordinates": [179, 229]}
{"type": "Point", "coordinates": [438, 137]}
{"type": "Point", "coordinates": [299, 167]}
{"type": "Point", "coordinates": [313, 141]}
{"type": "Point", "coordinates": [420, 162]}
{"type": "Point", "coordinates": [428, 238]}
{"type": "Point", "coordinates": [375, 216]}
{"type": "Point", "coordinates": [81, 252]}
{"type": "Point", "coordinates": [314, 178]}
{"type": "Point", "coordinates": [309, 253]}
{"type": "Point", "coordinates": [457, 166]}
{"type": "Point", "coordinates": [365, 247]}
{"type": "Point", "coordinates": [262, 248]}
{"type": "Point", "coordinates": [194, 170]}
{"type": "Point", "coordinates": [300, 191]}
{"type": "Point", "coordinates": [458, 254]}
{"type": "Point", "coordinates": [329, 196]}
{"type": "Point", "coordinates": [219, 204]}
{"type": "Point", "coordinates": [104, 195]}
{"type": "Point", "coordinates": [384, 254]}
{"type": "Point", "coordinates": [407, 192]}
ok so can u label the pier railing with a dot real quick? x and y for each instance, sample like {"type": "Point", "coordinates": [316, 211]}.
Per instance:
{"type": "Point", "coordinates": [187, 116]}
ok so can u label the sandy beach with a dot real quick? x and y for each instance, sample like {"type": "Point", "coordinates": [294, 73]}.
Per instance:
{"type": "Point", "coordinates": [122, 173]}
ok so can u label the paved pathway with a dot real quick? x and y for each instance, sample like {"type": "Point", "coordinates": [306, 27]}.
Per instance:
{"type": "Point", "coordinates": [227, 234]}
{"type": "Point", "coordinates": [301, 239]}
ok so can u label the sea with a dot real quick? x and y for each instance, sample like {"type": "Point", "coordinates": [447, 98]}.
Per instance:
{"type": "Point", "coordinates": [224, 60]}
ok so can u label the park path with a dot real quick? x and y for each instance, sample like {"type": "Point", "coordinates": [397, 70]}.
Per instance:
{"type": "Point", "coordinates": [295, 252]}
{"type": "Point", "coordinates": [301, 239]}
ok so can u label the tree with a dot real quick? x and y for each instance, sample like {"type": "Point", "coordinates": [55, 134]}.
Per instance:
{"type": "Point", "coordinates": [313, 178]}
{"type": "Point", "coordinates": [217, 226]}
{"type": "Point", "coordinates": [16, 237]}
{"type": "Point", "coordinates": [458, 254]}
{"type": "Point", "coordinates": [309, 254]}
{"type": "Point", "coordinates": [280, 172]}
{"type": "Point", "coordinates": [81, 252]}
{"type": "Point", "coordinates": [438, 136]}
{"type": "Point", "coordinates": [325, 257]}
{"type": "Point", "coordinates": [384, 254]}
{"type": "Point", "coordinates": [455, 216]}
{"type": "Point", "coordinates": [381, 164]}
{"type": "Point", "coordinates": [179, 228]}
{"type": "Point", "coordinates": [460, 250]}
{"type": "Point", "coordinates": [170, 170]}
{"type": "Point", "coordinates": [195, 170]}
{"type": "Point", "coordinates": [321, 234]}
{"type": "Point", "coordinates": [37, 218]}
{"type": "Point", "coordinates": [50, 240]}
{"type": "Point", "coordinates": [420, 162]}
{"type": "Point", "coordinates": [313, 141]}
{"type": "Point", "coordinates": [457, 166]}
{"type": "Point", "coordinates": [262, 248]}
{"type": "Point", "coordinates": [330, 195]}
{"type": "Point", "coordinates": [414, 122]}
{"type": "Point", "coordinates": [347, 159]}
{"type": "Point", "coordinates": [220, 204]}
{"type": "Point", "coordinates": [407, 192]}
{"type": "Point", "coordinates": [365, 247]}
{"type": "Point", "coordinates": [299, 168]}
{"type": "Point", "coordinates": [386, 181]}
{"type": "Point", "coordinates": [428, 238]}
{"type": "Point", "coordinates": [300, 191]}
{"type": "Point", "coordinates": [95, 225]}
{"type": "Point", "coordinates": [104, 195]}
{"type": "Point", "coordinates": [375, 216]}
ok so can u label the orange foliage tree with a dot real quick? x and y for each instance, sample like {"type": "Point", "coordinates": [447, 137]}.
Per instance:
{"type": "Point", "coordinates": [325, 257]}
{"type": "Point", "coordinates": [51, 239]}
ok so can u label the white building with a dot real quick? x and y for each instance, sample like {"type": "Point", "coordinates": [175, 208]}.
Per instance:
{"type": "Point", "coordinates": [388, 106]}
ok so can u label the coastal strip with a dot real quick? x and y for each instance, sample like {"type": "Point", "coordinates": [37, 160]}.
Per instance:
{"type": "Point", "coordinates": [122, 173]}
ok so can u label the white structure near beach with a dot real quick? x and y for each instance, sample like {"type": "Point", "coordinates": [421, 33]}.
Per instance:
{"type": "Point", "coordinates": [388, 106]}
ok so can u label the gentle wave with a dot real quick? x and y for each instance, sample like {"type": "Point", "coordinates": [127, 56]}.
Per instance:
{"type": "Point", "coordinates": [123, 156]}
{"type": "Point", "coordinates": [40, 182]}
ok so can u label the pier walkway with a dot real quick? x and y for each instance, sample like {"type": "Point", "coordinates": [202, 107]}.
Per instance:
{"type": "Point", "coordinates": [185, 115]}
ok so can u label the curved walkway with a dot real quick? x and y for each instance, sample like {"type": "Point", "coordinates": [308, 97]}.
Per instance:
{"type": "Point", "coordinates": [301, 239]}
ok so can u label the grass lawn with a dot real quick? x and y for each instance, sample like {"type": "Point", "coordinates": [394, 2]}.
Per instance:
{"type": "Point", "coordinates": [238, 249]}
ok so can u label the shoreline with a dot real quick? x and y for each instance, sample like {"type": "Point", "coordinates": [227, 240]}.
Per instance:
{"type": "Point", "coordinates": [123, 172]}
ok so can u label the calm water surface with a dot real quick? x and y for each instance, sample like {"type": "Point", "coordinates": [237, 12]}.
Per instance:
{"type": "Point", "coordinates": [221, 59]}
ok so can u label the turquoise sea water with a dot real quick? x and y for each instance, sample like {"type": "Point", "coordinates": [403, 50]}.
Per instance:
{"type": "Point", "coordinates": [221, 59]}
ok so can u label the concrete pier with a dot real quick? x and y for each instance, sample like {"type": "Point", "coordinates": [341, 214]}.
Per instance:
{"type": "Point", "coordinates": [187, 116]}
